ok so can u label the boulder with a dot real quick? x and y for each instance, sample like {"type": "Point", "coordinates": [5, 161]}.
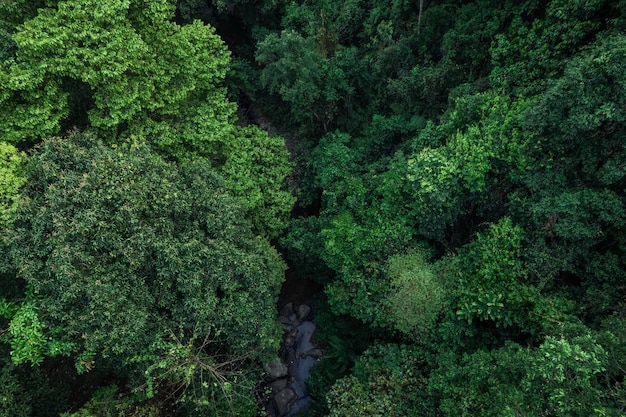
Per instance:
{"type": "Point", "coordinates": [287, 310]}
{"type": "Point", "coordinates": [290, 339]}
{"type": "Point", "coordinates": [303, 312]}
{"type": "Point", "coordinates": [278, 385]}
{"type": "Point", "coordinates": [284, 320]}
{"type": "Point", "coordinates": [313, 353]}
{"type": "Point", "coordinates": [276, 369]}
{"type": "Point", "coordinates": [284, 400]}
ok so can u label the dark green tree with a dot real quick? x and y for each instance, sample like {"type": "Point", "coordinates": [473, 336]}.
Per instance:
{"type": "Point", "coordinates": [132, 260]}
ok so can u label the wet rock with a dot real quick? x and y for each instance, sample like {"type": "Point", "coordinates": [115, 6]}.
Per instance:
{"type": "Point", "coordinates": [290, 338]}
{"type": "Point", "coordinates": [286, 389]}
{"type": "Point", "coordinates": [284, 400]}
{"type": "Point", "coordinates": [300, 405]}
{"type": "Point", "coordinates": [284, 320]}
{"type": "Point", "coordinates": [303, 312]}
{"type": "Point", "coordinates": [300, 365]}
{"type": "Point", "coordinates": [294, 319]}
{"type": "Point", "coordinates": [303, 339]}
{"type": "Point", "coordinates": [290, 358]}
{"type": "Point", "coordinates": [313, 353]}
{"type": "Point", "coordinates": [276, 369]}
{"type": "Point", "coordinates": [279, 385]}
{"type": "Point", "coordinates": [287, 310]}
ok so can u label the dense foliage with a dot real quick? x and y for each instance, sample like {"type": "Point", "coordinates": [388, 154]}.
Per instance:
{"type": "Point", "coordinates": [135, 232]}
{"type": "Point", "coordinates": [469, 173]}
{"type": "Point", "coordinates": [460, 172]}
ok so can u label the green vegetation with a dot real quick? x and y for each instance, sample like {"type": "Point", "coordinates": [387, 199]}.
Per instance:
{"type": "Point", "coordinates": [11, 179]}
{"type": "Point", "coordinates": [457, 169]}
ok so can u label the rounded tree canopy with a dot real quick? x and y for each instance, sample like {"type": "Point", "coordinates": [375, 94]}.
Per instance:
{"type": "Point", "coordinates": [119, 245]}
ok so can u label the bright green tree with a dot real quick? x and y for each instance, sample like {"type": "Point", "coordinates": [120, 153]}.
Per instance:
{"type": "Point", "coordinates": [11, 179]}
{"type": "Point", "coordinates": [416, 296]}
{"type": "Point", "coordinates": [561, 377]}
{"type": "Point", "coordinates": [121, 67]}
{"type": "Point", "coordinates": [125, 70]}
{"type": "Point", "coordinates": [255, 169]}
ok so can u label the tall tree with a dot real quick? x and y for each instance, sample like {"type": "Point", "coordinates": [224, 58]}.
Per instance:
{"type": "Point", "coordinates": [11, 179]}
{"type": "Point", "coordinates": [126, 71]}
{"type": "Point", "coordinates": [128, 258]}
{"type": "Point", "coordinates": [121, 67]}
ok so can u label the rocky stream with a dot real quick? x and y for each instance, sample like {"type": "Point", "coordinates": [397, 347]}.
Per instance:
{"type": "Point", "coordinates": [285, 380]}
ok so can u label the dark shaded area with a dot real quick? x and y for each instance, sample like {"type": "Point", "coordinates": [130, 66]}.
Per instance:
{"type": "Point", "coordinates": [298, 290]}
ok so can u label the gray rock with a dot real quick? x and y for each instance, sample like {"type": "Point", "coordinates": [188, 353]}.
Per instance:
{"type": "Point", "coordinates": [290, 339]}
{"type": "Point", "coordinates": [313, 353]}
{"type": "Point", "coordinates": [276, 369]}
{"type": "Point", "coordinates": [284, 400]}
{"type": "Point", "coordinates": [303, 312]}
{"type": "Point", "coordinates": [287, 310]}
{"type": "Point", "coordinates": [300, 405]}
{"type": "Point", "coordinates": [284, 320]}
{"type": "Point", "coordinates": [279, 385]}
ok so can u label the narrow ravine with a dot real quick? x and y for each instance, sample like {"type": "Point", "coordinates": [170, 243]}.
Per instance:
{"type": "Point", "coordinates": [285, 381]}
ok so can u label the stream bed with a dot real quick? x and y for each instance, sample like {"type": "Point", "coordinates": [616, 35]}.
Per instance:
{"type": "Point", "coordinates": [300, 365]}
{"type": "Point", "coordinates": [284, 387]}
{"type": "Point", "coordinates": [286, 376]}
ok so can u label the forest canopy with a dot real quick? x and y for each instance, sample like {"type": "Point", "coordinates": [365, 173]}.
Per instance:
{"type": "Point", "coordinates": [452, 173]}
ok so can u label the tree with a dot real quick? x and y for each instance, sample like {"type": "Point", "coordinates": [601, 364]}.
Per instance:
{"type": "Point", "coordinates": [11, 179]}
{"type": "Point", "coordinates": [532, 51]}
{"type": "Point", "coordinates": [128, 72]}
{"type": "Point", "coordinates": [121, 67]}
{"type": "Point", "coordinates": [387, 381]}
{"type": "Point", "coordinates": [490, 277]}
{"type": "Point", "coordinates": [255, 170]}
{"type": "Point", "coordinates": [559, 378]}
{"type": "Point", "coordinates": [417, 295]}
{"type": "Point", "coordinates": [302, 76]}
{"type": "Point", "coordinates": [137, 261]}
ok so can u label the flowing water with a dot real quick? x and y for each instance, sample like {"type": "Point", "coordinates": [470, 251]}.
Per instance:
{"type": "Point", "coordinates": [298, 350]}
